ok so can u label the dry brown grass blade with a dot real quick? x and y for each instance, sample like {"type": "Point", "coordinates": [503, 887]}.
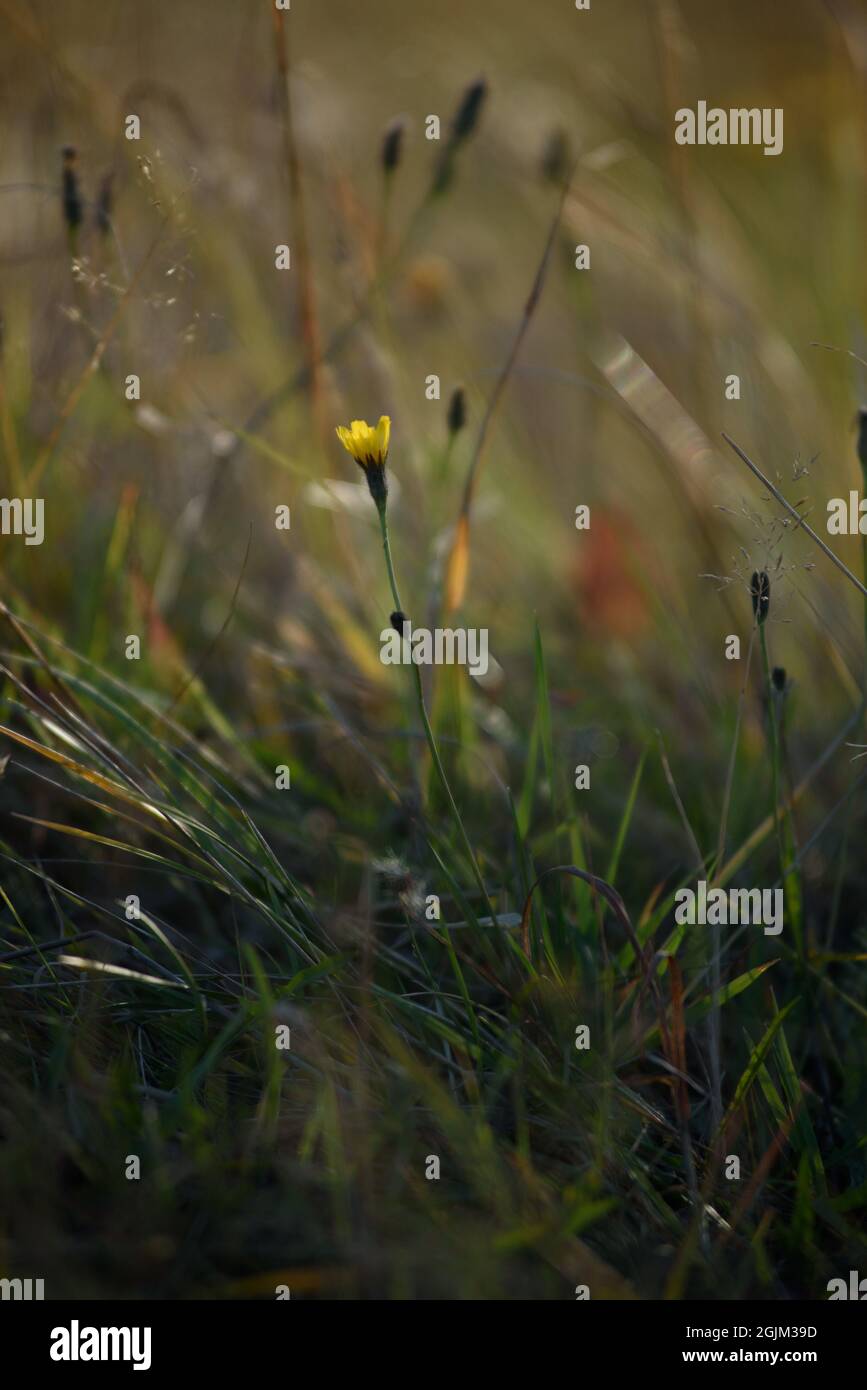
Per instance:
{"type": "Point", "coordinates": [105, 784]}
{"type": "Point", "coordinates": [307, 292]}
{"type": "Point", "coordinates": [458, 561]}
{"type": "Point", "coordinates": [763, 1168]}
{"type": "Point", "coordinates": [36, 652]}
{"type": "Point", "coordinates": [457, 565]}
{"type": "Point", "coordinates": [676, 1047]}
{"type": "Point", "coordinates": [678, 1040]}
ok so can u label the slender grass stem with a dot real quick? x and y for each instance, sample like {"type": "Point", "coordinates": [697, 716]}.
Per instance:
{"type": "Point", "coordinates": [429, 733]}
{"type": "Point", "coordinates": [714, 1030]}
{"type": "Point", "coordinates": [308, 314]}
{"type": "Point", "coordinates": [775, 745]}
{"type": "Point", "coordinates": [791, 885]}
{"type": "Point", "coordinates": [864, 563]}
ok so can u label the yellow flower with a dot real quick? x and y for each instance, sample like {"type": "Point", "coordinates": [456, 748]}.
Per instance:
{"type": "Point", "coordinates": [368, 445]}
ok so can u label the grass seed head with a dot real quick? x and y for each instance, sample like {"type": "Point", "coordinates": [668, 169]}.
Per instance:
{"type": "Point", "coordinates": [862, 439]}
{"type": "Point", "coordinates": [760, 589]}
{"type": "Point", "coordinates": [466, 119]}
{"type": "Point", "coordinates": [555, 160]}
{"type": "Point", "coordinates": [457, 416]}
{"type": "Point", "coordinates": [392, 145]}
{"type": "Point", "coordinates": [467, 114]}
{"type": "Point", "coordinates": [71, 191]}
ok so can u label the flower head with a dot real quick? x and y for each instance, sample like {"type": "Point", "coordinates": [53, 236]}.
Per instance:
{"type": "Point", "coordinates": [368, 445]}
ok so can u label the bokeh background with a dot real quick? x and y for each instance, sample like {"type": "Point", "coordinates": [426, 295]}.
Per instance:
{"type": "Point", "coordinates": [262, 645]}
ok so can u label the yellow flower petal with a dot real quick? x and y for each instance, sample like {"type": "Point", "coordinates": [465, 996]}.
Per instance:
{"type": "Point", "coordinates": [367, 444]}
{"type": "Point", "coordinates": [383, 431]}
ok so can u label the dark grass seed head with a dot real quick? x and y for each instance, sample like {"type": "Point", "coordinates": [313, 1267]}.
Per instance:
{"type": "Point", "coordinates": [467, 114]}
{"type": "Point", "coordinates": [760, 590]}
{"type": "Point", "coordinates": [862, 438]}
{"type": "Point", "coordinates": [465, 120]}
{"type": "Point", "coordinates": [457, 416]}
{"type": "Point", "coordinates": [392, 146]}
{"type": "Point", "coordinates": [556, 156]}
{"type": "Point", "coordinates": [72, 206]}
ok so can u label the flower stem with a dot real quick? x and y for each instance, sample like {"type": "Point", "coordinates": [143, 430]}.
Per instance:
{"type": "Point", "coordinates": [429, 733]}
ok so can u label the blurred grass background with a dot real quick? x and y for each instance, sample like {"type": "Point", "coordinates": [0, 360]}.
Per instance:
{"type": "Point", "coordinates": [260, 649]}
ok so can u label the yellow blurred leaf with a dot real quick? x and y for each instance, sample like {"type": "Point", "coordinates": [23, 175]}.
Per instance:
{"type": "Point", "coordinates": [458, 566]}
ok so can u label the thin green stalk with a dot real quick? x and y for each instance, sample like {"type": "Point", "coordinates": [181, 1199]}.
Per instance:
{"type": "Point", "coordinates": [864, 561]}
{"type": "Point", "coordinates": [384, 218]}
{"type": "Point", "coordinates": [775, 747]}
{"type": "Point", "coordinates": [791, 885]}
{"type": "Point", "coordinates": [429, 733]}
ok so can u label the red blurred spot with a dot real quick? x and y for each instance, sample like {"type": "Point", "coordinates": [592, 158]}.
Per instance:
{"type": "Point", "coordinates": [609, 575]}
